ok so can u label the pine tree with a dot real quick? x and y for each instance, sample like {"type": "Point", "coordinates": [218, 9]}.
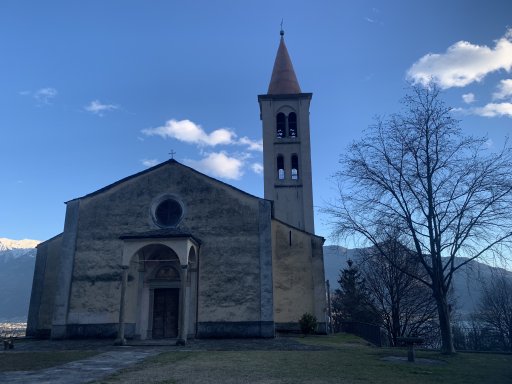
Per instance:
{"type": "Point", "coordinates": [352, 301]}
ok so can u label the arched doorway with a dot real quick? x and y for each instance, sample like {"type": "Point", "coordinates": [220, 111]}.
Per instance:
{"type": "Point", "coordinates": [160, 280]}
{"type": "Point", "coordinates": [161, 283]}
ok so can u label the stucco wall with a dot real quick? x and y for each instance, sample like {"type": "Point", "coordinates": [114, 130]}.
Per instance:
{"type": "Point", "coordinates": [224, 219]}
{"type": "Point", "coordinates": [293, 199]}
{"type": "Point", "coordinates": [298, 275]}
{"type": "Point", "coordinates": [44, 288]}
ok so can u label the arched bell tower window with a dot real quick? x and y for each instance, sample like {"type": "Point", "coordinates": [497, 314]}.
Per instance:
{"type": "Point", "coordinates": [280, 167]}
{"type": "Point", "coordinates": [295, 167]}
{"type": "Point", "coordinates": [280, 125]}
{"type": "Point", "coordinates": [292, 124]}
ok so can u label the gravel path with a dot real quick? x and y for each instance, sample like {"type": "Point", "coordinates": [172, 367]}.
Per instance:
{"type": "Point", "coordinates": [81, 371]}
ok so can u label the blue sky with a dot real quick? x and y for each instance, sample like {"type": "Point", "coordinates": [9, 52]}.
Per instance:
{"type": "Point", "coordinates": [94, 91]}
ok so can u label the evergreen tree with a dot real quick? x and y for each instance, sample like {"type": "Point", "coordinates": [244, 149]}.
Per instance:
{"type": "Point", "coordinates": [352, 302]}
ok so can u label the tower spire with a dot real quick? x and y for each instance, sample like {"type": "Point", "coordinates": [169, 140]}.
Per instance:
{"type": "Point", "coordinates": [284, 112]}
{"type": "Point", "coordinates": [283, 80]}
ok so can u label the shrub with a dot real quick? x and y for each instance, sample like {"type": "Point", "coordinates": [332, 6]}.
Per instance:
{"type": "Point", "coordinates": [307, 323]}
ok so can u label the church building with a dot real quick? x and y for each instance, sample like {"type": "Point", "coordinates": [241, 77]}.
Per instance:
{"type": "Point", "coordinates": [172, 253]}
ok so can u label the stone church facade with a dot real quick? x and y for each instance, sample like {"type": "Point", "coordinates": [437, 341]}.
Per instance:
{"type": "Point", "coordinates": [172, 253]}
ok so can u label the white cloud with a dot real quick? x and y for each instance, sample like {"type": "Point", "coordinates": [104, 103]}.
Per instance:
{"type": "Point", "coordinates": [494, 109]}
{"type": "Point", "coordinates": [369, 20]}
{"type": "Point", "coordinates": [468, 98]}
{"type": "Point", "coordinates": [251, 144]}
{"type": "Point", "coordinates": [149, 162]}
{"type": "Point", "coordinates": [219, 164]}
{"type": "Point", "coordinates": [192, 133]}
{"type": "Point", "coordinates": [504, 90]}
{"type": "Point", "coordinates": [98, 108]}
{"type": "Point", "coordinates": [463, 63]}
{"type": "Point", "coordinates": [43, 95]}
{"type": "Point", "coordinates": [257, 168]}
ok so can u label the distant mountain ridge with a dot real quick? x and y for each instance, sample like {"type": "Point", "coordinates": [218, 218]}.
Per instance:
{"type": "Point", "coordinates": [9, 244]}
{"type": "Point", "coordinates": [17, 260]}
{"type": "Point", "coordinates": [467, 281]}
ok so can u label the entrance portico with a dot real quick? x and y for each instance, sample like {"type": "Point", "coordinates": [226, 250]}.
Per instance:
{"type": "Point", "coordinates": [162, 266]}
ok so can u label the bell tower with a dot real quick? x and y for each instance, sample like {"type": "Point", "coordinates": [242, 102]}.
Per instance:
{"type": "Point", "coordinates": [284, 112]}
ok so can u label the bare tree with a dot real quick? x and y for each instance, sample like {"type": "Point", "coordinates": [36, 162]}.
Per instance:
{"type": "Point", "coordinates": [495, 308]}
{"type": "Point", "coordinates": [406, 305]}
{"type": "Point", "coordinates": [449, 194]}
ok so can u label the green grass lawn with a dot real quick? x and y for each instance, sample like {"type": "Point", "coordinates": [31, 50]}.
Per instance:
{"type": "Point", "coordinates": [348, 361]}
{"type": "Point", "coordinates": [30, 361]}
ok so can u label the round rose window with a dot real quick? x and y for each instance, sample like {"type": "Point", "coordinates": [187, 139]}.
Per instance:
{"type": "Point", "coordinates": [168, 213]}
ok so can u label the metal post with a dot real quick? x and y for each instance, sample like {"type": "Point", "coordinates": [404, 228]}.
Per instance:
{"type": "Point", "coordinates": [328, 286]}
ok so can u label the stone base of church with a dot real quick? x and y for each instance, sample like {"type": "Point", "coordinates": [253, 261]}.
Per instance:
{"type": "Point", "coordinates": [238, 329]}
{"type": "Point", "coordinates": [39, 333]}
{"type": "Point", "coordinates": [83, 331]}
{"type": "Point", "coordinates": [211, 329]}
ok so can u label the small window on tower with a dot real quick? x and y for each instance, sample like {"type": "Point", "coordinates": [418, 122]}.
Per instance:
{"type": "Point", "coordinates": [280, 167]}
{"type": "Point", "coordinates": [280, 125]}
{"type": "Point", "coordinates": [292, 124]}
{"type": "Point", "coordinates": [295, 167]}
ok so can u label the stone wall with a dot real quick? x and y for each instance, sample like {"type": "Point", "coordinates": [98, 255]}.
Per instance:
{"type": "Point", "coordinates": [224, 219]}
{"type": "Point", "coordinates": [44, 287]}
{"type": "Point", "coordinates": [298, 277]}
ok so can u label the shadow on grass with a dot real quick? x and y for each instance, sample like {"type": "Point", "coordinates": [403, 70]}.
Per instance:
{"type": "Point", "coordinates": [348, 360]}
{"type": "Point", "coordinates": [31, 361]}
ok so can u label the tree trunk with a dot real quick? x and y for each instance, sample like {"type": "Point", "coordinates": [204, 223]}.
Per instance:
{"type": "Point", "coordinates": [444, 324]}
{"type": "Point", "coordinates": [395, 323]}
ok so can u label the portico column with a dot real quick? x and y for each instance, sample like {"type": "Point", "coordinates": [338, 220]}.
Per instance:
{"type": "Point", "coordinates": [120, 340]}
{"type": "Point", "coordinates": [183, 314]}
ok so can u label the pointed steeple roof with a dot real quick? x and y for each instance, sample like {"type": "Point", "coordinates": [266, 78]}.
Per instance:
{"type": "Point", "coordinates": [283, 80]}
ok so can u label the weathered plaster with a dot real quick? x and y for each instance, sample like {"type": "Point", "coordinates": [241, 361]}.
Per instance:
{"type": "Point", "coordinates": [298, 276]}
{"type": "Point", "coordinates": [224, 219]}
{"type": "Point", "coordinates": [266, 283]}
{"type": "Point", "coordinates": [65, 273]}
{"type": "Point", "coordinates": [44, 286]}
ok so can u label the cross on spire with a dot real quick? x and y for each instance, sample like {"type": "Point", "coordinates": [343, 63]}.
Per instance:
{"type": "Point", "coordinates": [172, 153]}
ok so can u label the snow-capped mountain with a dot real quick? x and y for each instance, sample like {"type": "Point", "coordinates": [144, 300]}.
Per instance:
{"type": "Point", "coordinates": [9, 244]}
{"type": "Point", "coordinates": [17, 248]}
{"type": "Point", "coordinates": [17, 260]}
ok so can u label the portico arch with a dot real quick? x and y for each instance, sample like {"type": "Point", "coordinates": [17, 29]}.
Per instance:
{"type": "Point", "coordinates": [161, 285]}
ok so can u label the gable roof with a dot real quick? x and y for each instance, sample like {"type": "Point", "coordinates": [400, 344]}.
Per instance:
{"type": "Point", "coordinates": [161, 234]}
{"type": "Point", "coordinates": [50, 239]}
{"type": "Point", "coordinates": [298, 229]}
{"type": "Point", "coordinates": [161, 165]}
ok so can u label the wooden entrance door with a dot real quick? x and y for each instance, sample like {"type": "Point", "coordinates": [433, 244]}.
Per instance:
{"type": "Point", "coordinates": [165, 313]}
